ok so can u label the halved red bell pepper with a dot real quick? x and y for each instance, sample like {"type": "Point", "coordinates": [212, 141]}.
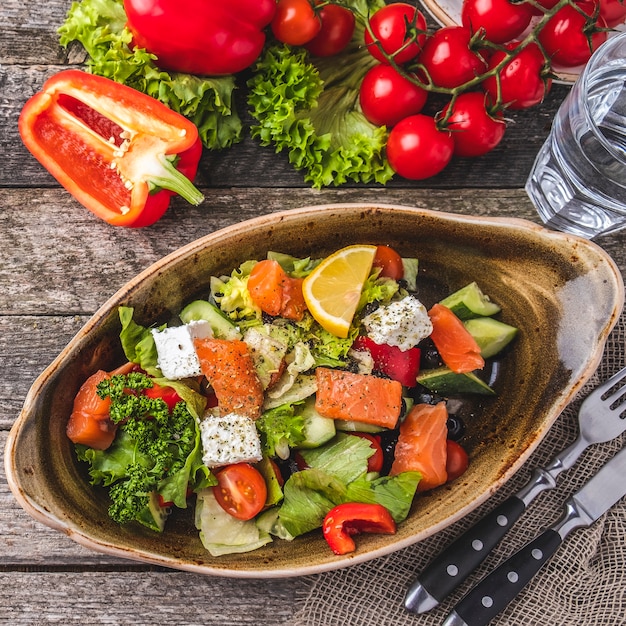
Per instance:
{"type": "Point", "coordinates": [120, 153]}
{"type": "Point", "coordinates": [400, 365]}
{"type": "Point", "coordinates": [209, 37]}
{"type": "Point", "coordinates": [351, 518]}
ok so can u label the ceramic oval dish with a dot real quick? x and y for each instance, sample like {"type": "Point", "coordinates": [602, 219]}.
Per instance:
{"type": "Point", "coordinates": [541, 279]}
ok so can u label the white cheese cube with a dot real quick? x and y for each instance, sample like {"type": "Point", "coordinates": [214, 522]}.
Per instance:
{"type": "Point", "coordinates": [403, 323]}
{"type": "Point", "coordinates": [229, 438]}
{"type": "Point", "coordinates": [176, 355]}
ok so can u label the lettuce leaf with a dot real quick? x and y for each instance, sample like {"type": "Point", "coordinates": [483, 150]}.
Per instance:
{"type": "Point", "coordinates": [100, 26]}
{"type": "Point", "coordinates": [310, 109]}
{"type": "Point", "coordinates": [138, 343]}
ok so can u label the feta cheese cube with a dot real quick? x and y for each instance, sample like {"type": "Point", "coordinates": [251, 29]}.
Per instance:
{"type": "Point", "coordinates": [403, 323]}
{"type": "Point", "coordinates": [229, 438]}
{"type": "Point", "coordinates": [176, 355]}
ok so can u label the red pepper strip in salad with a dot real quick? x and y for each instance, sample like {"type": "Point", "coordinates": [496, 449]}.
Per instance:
{"type": "Point", "coordinates": [352, 518]}
{"type": "Point", "coordinates": [207, 37]}
{"type": "Point", "coordinates": [120, 153]}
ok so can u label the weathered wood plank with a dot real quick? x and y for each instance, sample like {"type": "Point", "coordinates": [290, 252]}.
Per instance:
{"type": "Point", "coordinates": [131, 598]}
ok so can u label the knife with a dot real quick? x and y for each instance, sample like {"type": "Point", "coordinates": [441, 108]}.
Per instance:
{"type": "Point", "coordinates": [494, 592]}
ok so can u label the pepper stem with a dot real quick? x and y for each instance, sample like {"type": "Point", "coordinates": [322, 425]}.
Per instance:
{"type": "Point", "coordinates": [173, 180]}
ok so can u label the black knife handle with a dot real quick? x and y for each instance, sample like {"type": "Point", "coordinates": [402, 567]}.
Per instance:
{"type": "Point", "coordinates": [494, 592]}
{"type": "Point", "coordinates": [456, 562]}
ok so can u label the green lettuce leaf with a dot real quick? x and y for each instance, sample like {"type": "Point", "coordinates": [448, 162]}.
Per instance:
{"type": "Point", "coordinates": [395, 493]}
{"type": "Point", "coordinates": [100, 26]}
{"type": "Point", "coordinates": [138, 343]}
{"type": "Point", "coordinates": [280, 428]}
{"type": "Point", "coordinates": [310, 109]}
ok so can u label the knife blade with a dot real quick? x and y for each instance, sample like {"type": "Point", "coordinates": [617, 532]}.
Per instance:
{"type": "Point", "coordinates": [496, 590]}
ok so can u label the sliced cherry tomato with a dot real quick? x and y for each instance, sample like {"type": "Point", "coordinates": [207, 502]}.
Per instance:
{"type": "Point", "coordinates": [475, 130]}
{"type": "Point", "coordinates": [400, 29]}
{"type": "Point", "coordinates": [295, 22]}
{"type": "Point", "coordinates": [449, 59]}
{"type": "Point", "coordinates": [569, 38]}
{"type": "Point", "coordinates": [386, 97]}
{"type": "Point", "coordinates": [613, 12]}
{"type": "Point", "coordinates": [389, 261]}
{"type": "Point", "coordinates": [352, 518]}
{"type": "Point", "coordinates": [400, 365]}
{"type": "Point", "coordinates": [241, 490]}
{"type": "Point", "coordinates": [335, 33]}
{"type": "Point", "coordinates": [375, 462]}
{"type": "Point", "coordinates": [524, 81]}
{"type": "Point", "coordinates": [457, 460]}
{"type": "Point", "coordinates": [167, 394]}
{"type": "Point", "coordinates": [417, 149]}
{"type": "Point", "coordinates": [501, 20]}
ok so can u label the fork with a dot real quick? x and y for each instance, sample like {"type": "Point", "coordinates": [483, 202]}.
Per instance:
{"type": "Point", "coordinates": [600, 419]}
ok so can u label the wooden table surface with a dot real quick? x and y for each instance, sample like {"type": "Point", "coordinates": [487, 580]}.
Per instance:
{"type": "Point", "coordinates": [58, 264]}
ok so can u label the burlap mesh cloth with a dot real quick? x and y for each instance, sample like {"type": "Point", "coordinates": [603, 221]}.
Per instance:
{"type": "Point", "coordinates": [584, 584]}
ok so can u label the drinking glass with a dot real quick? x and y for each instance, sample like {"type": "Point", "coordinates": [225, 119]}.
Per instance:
{"type": "Point", "coordinates": [578, 180]}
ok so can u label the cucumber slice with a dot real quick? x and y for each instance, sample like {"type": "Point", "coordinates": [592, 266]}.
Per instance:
{"type": "Point", "coordinates": [153, 516]}
{"type": "Point", "coordinates": [351, 426]}
{"type": "Point", "coordinates": [274, 490]}
{"type": "Point", "coordinates": [491, 335]}
{"type": "Point", "coordinates": [444, 381]}
{"type": "Point", "coordinates": [470, 302]}
{"type": "Point", "coordinates": [317, 429]}
{"type": "Point", "coordinates": [222, 327]}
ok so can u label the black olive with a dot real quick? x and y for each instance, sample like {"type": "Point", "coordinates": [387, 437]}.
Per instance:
{"type": "Point", "coordinates": [388, 441]}
{"type": "Point", "coordinates": [456, 427]}
{"type": "Point", "coordinates": [370, 307]}
{"type": "Point", "coordinates": [287, 466]}
{"type": "Point", "coordinates": [429, 356]}
{"type": "Point", "coordinates": [422, 395]}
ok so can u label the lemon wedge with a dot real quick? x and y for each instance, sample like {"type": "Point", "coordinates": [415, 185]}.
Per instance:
{"type": "Point", "coordinates": [332, 290]}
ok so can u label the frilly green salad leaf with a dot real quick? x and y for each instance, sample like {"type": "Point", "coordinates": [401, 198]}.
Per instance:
{"type": "Point", "coordinates": [100, 26]}
{"type": "Point", "coordinates": [310, 108]}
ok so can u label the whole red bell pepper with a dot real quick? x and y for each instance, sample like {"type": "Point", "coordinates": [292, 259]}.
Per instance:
{"type": "Point", "coordinates": [208, 37]}
{"type": "Point", "coordinates": [120, 153]}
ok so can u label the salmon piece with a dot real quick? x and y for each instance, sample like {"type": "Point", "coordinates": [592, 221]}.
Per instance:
{"type": "Point", "coordinates": [359, 397]}
{"type": "Point", "coordinates": [422, 445]}
{"type": "Point", "coordinates": [229, 368]}
{"type": "Point", "coordinates": [89, 422]}
{"type": "Point", "coordinates": [457, 347]}
{"type": "Point", "coordinates": [275, 292]}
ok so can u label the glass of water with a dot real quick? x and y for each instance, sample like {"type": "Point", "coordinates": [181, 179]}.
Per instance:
{"type": "Point", "coordinates": [578, 181]}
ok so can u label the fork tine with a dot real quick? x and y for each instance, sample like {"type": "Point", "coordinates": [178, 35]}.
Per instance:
{"type": "Point", "coordinates": [606, 389]}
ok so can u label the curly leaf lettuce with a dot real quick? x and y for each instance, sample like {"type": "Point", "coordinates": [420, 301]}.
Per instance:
{"type": "Point", "coordinates": [100, 26]}
{"type": "Point", "coordinates": [310, 109]}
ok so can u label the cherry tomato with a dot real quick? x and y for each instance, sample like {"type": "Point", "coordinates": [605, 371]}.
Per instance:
{"type": "Point", "coordinates": [375, 462]}
{"type": "Point", "coordinates": [167, 394]}
{"type": "Point", "coordinates": [613, 12]}
{"type": "Point", "coordinates": [389, 27]}
{"type": "Point", "coordinates": [524, 80]}
{"type": "Point", "coordinates": [570, 39]}
{"type": "Point", "coordinates": [417, 149]}
{"type": "Point", "coordinates": [501, 20]}
{"type": "Point", "coordinates": [386, 97]}
{"type": "Point", "coordinates": [457, 460]}
{"type": "Point", "coordinates": [389, 261]}
{"type": "Point", "coordinates": [241, 490]}
{"type": "Point", "coordinates": [448, 58]}
{"type": "Point", "coordinates": [336, 31]}
{"type": "Point", "coordinates": [295, 22]}
{"type": "Point", "coordinates": [474, 129]}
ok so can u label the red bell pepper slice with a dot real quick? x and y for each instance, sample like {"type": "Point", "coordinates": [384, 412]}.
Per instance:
{"type": "Point", "coordinates": [400, 365]}
{"type": "Point", "coordinates": [352, 518]}
{"type": "Point", "coordinates": [207, 37]}
{"type": "Point", "coordinates": [120, 153]}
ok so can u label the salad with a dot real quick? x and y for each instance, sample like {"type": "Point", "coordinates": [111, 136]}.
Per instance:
{"type": "Point", "coordinates": [300, 394]}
